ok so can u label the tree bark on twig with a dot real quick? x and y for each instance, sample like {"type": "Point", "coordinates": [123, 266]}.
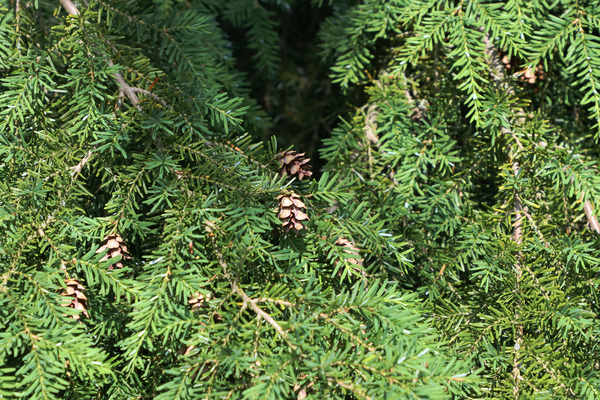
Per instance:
{"type": "Point", "coordinates": [248, 301]}
{"type": "Point", "coordinates": [497, 73]}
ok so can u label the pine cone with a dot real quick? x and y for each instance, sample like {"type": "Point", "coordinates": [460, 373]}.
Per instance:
{"type": "Point", "coordinates": [75, 289]}
{"type": "Point", "coordinates": [291, 163]}
{"type": "Point", "coordinates": [116, 246]}
{"type": "Point", "coordinates": [290, 212]}
{"type": "Point", "coordinates": [526, 75]}
{"type": "Point", "coordinates": [351, 249]}
{"type": "Point", "coordinates": [199, 301]}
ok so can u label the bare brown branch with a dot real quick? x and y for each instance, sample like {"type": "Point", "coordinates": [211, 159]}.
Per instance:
{"type": "Point", "coordinates": [70, 7]}
{"type": "Point", "coordinates": [371, 124]}
{"type": "Point", "coordinates": [591, 216]}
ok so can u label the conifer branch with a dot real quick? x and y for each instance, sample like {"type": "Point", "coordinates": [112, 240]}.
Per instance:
{"type": "Point", "coordinates": [587, 205]}
{"type": "Point", "coordinates": [125, 86]}
{"type": "Point", "coordinates": [72, 10]}
{"type": "Point", "coordinates": [77, 168]}
{"type": "Point", "coordinates": [498, 75]}
{"type": "Point", "coordinates": [154, 96]}
{"type": "Point", "coordinates": [496, 70]}
{"type": "Point", "coordinates": [247, 300]}
{"type": "Point", "coordinates": [417, 200]}
{"type": "Point", "coordinates": [357, 391]}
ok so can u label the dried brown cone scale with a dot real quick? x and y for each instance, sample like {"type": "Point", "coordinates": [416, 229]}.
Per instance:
{"type": "Point", "coordinates": [292, 163]}
{"type": "Point", "coordinates": [79, 300]}
{"type": "Point", "coordinates": [115, 246]}
{"type": "Point", "coordinates": [290, 212]}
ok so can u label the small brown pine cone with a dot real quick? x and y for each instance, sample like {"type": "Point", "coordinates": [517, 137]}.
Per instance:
{"type": "Point", "coordinates": [540, 73]}
{"type": "Point", "coordinates": [199, 301]}
{"type": "Point", "coordinates": [350, 249]}
{"type": "Point", "coordinates": [79, 302]}
{"type": "Point", "coordinates": [116, 246]}
{"type": "Point", "coordinates": [292, 163]}
{"type": "Point", "coordinates": [529, 76]}
{"type": "Point", "coordinates": [509, 63]}
{"type": "Point", "coordinates": [290, 212]}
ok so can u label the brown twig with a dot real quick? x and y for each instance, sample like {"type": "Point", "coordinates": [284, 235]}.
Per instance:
{"type": "Point", "coordinates": [17, 20]}
{"type": "Point", "coordinates": [371, 124]}
{"type": "Point", "coordinates": [155, 97]}
{"type": "Point", "coordinates": [125, 86]}
{"type": "Point", "coordinates": [354, 390]}
{"type": "Point", "coordinates": [247, 300]}
{"type": "Point", "coordinates": [77, 168]}
{"type": "Point", "coordinates": [70, 7]}
{"type": "Point", "coordinates": [497, 72]}
{"type": "Point", "coordinates": [591, 216]}
{"type": "Point", "coordinates": [72, 10]}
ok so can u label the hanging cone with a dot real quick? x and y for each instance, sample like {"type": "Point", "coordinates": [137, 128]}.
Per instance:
{"type": "Point", "coordinates": [530, 75]}
{"type": "Point", "coordinates": [79, 301]}
{"type": "Point", "coordinates": [291, 163]}
{"type": "Point", "coordinates": [540, 73]}
{"type": "Point", "coordinates": [199, 301]}
{"type": "Point", "coordinates": [290, 212]}
{"type": "Point", "coordinates": [116, 247]}
{"type": "Point", "coordinates": [510, 63]}
{"type": "Point", "coordinates": [350, 249]}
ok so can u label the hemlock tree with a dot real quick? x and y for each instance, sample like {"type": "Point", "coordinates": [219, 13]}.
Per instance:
{"type": "Point", "coordinates": [150, 249]}
{"type": "Point", "coordinates": [479, 146]}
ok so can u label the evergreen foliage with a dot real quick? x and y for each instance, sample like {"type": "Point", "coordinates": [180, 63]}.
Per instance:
{"type": "Point", "coordinates": [153, 246]}
{"type": "Point", "coordinates": [478, 147]}
{"type": "Point", "coordinates": [132, 194]}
